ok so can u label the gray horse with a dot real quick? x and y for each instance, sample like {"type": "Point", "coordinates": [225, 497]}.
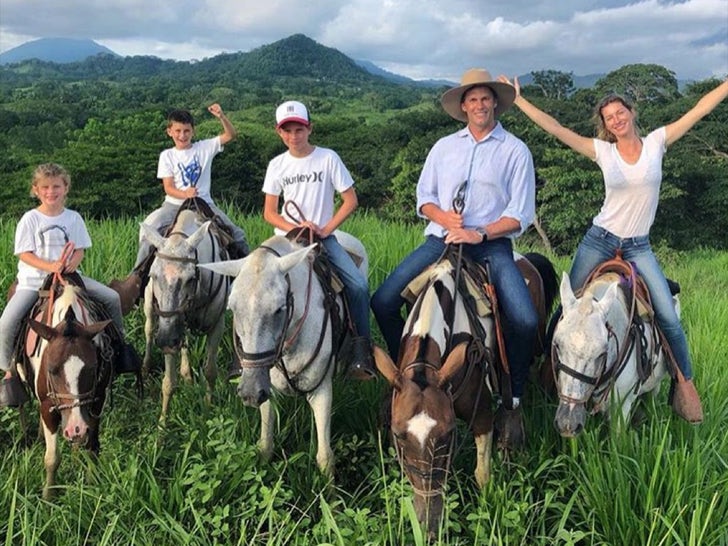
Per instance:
{"type": "Point", "coordinates": [182, 298]}
{"type": "Point", "coordinates": [285, 334]}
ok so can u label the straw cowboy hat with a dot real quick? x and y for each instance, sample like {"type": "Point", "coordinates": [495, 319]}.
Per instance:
{"type": "Point", "coordinates": [452, 98]}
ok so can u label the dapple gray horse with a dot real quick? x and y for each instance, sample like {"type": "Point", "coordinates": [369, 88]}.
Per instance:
{"type": "Point", "coordinates": [596, 351]}
{"type": "Point", "coordinates": [284, 333]}
{"type": "Point", "coordinates": [181, 298]}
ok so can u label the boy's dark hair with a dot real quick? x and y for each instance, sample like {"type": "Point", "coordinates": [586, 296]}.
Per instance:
{"type": "Point", "coordinates": [180, 116]}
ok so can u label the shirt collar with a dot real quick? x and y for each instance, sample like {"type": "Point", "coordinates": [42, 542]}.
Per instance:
{"type": "Point", "coordinates": [498, 132]}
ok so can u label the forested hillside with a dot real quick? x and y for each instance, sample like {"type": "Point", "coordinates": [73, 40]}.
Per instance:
{"type": "Point", "coordinates": [104, 120]}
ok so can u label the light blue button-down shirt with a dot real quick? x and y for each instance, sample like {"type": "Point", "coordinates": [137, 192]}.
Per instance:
{"type": "Point", "coordinates": [500, 179]}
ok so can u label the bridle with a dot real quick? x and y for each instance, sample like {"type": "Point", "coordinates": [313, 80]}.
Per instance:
{"type": "Point", "coordinates": [213, 290]}
{"type": "Point", "coordinates": [437, 473]}
{"type": "Point", "coordinates": [276, 356]}
{"type": "Point", "coordinates": [607, 373]}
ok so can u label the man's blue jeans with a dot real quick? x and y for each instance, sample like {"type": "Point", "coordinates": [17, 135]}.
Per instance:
{"type": "Point", "coordinates": [599, 245]}
{"type": "Point", "coordinates": [520, 320]}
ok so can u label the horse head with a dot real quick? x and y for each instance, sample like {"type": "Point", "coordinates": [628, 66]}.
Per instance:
{"type": "Point", "coordinates": [585, 347]}
{"type": "Point", "coordinates": [71, 378]}
{"type": "Point", "coordinates": [262, 299]}
{"type": "Point", "coordinates": [423, 418]}
{"type": "Point", "coordinates": [174, 279]}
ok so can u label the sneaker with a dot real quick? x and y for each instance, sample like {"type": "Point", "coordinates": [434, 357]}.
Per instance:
{"type": "Point", "coordinates": [686, 402]}
{"type": "Point", "coordinates": [12, 392]}
{"type": "Point", "coordinates": [361, 363]}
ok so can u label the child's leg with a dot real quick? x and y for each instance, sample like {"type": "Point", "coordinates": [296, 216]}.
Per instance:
{"type": "Point", "coordinates": [157, 220]}
{"type": "Point", "coordinates": [108, 298]}
{"type": "Point", "coordinates": [15, 312]}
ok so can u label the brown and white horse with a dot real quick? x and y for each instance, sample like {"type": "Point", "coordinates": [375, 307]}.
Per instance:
{"type": "Point", "coordinates": [69, 371]}
{"type": "Point", "coordinates": [446, 371]}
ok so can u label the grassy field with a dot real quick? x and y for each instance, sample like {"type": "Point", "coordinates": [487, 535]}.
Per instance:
{"type": "Point", "coordinates": [199, 481]}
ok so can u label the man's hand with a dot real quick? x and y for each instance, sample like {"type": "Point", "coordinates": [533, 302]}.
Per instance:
{"type": "Point", "coordinates": [460, 235]}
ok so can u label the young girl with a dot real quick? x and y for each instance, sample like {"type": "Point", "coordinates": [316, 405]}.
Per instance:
{"type": "Point", "coordinates": [40, 239]}
{"type": "Point", "coordinates": [632, 170]}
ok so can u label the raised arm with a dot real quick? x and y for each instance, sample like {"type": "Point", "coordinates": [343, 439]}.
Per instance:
{"type": "Point", "coordinates": [704, 106]}
{"type": "Point", "coordinates": [578, 143]}
{"type": "Point", "coordinates": [228, 130]}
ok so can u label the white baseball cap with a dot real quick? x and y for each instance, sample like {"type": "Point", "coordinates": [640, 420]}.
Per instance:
{"type": "Point", "coordinates": [291, 110]}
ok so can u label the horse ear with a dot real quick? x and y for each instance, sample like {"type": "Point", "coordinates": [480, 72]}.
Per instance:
{"type": "Point", "coordinates": [231, 268]}
{"type": "Point", "coordinates": [43, 330]}
{"type": "Point", "coordinates": [608, 299]}
{"type": "Point", "coordinates": [199, 234]}
{"type": "Point", "coordinates": [90, 330]}
{"type": "Point", "coordinates": [453, 363]}
{"type": "Point", "coordinates": [568, 299]}
{"type": "Point", "coordinates": [151, 235]}
{"type": "Point", "coordinates": [289, 261]}
{"type": "Point", "coordinates": [386, 367]}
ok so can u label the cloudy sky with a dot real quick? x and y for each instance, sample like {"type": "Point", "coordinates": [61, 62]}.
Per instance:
{"type": "Point", "coordinates": [416, 38]}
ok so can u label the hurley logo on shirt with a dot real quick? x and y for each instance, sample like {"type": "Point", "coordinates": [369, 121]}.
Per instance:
{"type": "Point", "coordinates": [303, 178]}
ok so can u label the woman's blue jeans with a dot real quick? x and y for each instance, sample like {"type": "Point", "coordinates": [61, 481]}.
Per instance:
{"type": "Point", "coordinates": [519, 317]}
{"type": "Point", "coordinates": [599, 245]}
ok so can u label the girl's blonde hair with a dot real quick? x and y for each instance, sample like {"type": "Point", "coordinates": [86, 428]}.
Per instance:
{"type": "Point", "coordinates": [49, 170]}
{"type": "Point", "coordinates": [602, 132]}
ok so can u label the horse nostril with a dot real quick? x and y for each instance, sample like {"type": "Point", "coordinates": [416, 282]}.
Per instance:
{"type": "Point", "coordinates": [262, 396]}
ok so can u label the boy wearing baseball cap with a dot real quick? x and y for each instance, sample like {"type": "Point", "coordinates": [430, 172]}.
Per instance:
{"type": "Point", "coordinates": [309, 176]}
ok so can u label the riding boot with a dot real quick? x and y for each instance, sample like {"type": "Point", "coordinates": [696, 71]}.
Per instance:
{"type": "Point", "coordinates": [127, 360]}
{"type": "Point", "coordinates": [509, 429]}
{"type": "Point", "coordinates": [361, 362]}
{"type": "Point", "coordinates": [686, 401]}
{"type": "Point", "coordinates": [12, 392]}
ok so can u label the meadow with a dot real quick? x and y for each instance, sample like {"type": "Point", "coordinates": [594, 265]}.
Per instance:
{"type": "Point", "coordinates": [198, 481]}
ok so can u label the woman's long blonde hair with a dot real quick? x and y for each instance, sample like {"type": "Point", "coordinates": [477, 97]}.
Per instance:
{"type": "Point", "coordinates": [602, 132]}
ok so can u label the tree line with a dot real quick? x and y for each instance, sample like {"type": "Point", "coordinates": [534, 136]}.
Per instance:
{"type": "Point", "coordinates": [108, 131]}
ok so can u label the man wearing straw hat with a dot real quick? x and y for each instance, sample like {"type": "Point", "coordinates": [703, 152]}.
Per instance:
{"type": "Point", "coordinates": [477, 187]}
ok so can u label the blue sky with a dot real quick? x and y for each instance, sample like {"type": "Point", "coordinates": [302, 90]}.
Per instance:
{"type": "Point", "coordinates": [417, 38]}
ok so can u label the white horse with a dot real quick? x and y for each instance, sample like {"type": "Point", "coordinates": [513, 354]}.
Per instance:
{"type": "Point", "coordinates": [285, 334]}
{"type": "Point", "coordinates": [180, 297]}
{"type": "Point", "coordinates": [598, 354]}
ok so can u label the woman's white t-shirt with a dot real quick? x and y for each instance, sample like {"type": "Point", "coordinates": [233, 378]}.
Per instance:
{"type": "Point", "coordinates": [632, 191]}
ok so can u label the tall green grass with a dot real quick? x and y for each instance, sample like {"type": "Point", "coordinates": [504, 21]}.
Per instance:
{"type": "Point", "coordinates": [199, 481]}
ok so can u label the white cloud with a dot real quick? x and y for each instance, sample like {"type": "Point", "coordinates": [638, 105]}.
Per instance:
{"type": "Point", "coordinates": [417, 38]}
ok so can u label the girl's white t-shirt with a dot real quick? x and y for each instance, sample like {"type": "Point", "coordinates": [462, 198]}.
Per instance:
{"type": "Point", "coordinates": [45, 236]}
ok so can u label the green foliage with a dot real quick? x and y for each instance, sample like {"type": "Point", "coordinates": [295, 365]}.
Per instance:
{"type": "Point", "coordinates": [199, 481]}
{"type": "Point", "coordinates": [103, 119]}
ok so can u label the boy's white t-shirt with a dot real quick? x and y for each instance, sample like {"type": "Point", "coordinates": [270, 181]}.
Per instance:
{"type": "Point", "coordinates": [632, 192]}
{"type": "Point", "coordinates": [45, 236]}
{"type": "Point", "coordinates": [310, 182]}
{"type": "Point", "coordinates": [190, 167]}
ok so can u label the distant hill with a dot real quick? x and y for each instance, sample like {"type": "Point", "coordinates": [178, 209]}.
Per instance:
{"type": "Point", "coordinates": [56, 50]}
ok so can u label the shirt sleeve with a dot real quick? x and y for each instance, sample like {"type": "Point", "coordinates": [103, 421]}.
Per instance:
{"type": "Point", "coordinates": [522, 205]}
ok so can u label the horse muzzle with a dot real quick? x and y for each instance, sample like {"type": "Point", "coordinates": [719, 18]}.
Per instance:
{"type": "Point", "coordinates": [255, 386]}
{"type": "Point", "coordinates": [570, 418]}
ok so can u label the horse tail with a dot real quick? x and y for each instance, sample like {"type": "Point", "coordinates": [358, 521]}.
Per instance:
{"type": "Point", "coordinates": [548, 276]}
